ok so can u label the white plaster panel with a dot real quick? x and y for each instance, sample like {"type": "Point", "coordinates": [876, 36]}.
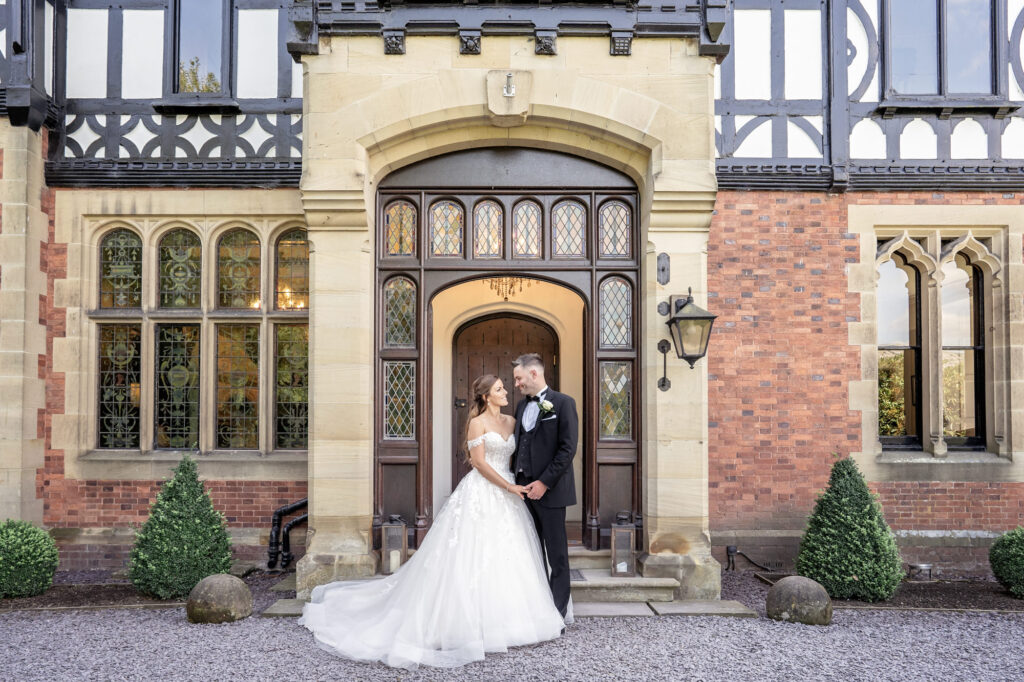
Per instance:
{"type": "Point", "coordinates": [139, 136]}
{"type": "Point", "coordinates": [803, 53]}
{"type": "Point", "coordinates": [856, 34]}
{"type": "Point", "coordinates": [1013, 139]}
{"type": "Point", "coordinates": [918, 141]}
{"type": "Point", "coordinates": [198, 135]}
{"type": "Point", "coordinates": [296, 80]}
{"type": "Point", "coordinates": [256, 136]}
{"type": "Point", "coordinates": [752, 59]}
{"type": "Point", "coordinates": [867, 141]}
{"type": "Point", "coordinates": [799, 144]}
{"type": "Point", "coordinates": [142, 61]}
{"type": "Point", "coordinates": [758, 144]}
{"type": "Point", "coordinates": [257, 53]}
{"type": "Point", "coordinates": [86, 53]}
{"type": "Point", "coordinates": [84, 136]}
{"type": "Point", "coordinates": [48, 48]}
{"type": "Point", "coordinates": [968, 141]}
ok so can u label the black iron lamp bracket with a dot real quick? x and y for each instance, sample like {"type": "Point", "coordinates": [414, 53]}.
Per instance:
{"type": "Point", "coordinates": [664, 347]}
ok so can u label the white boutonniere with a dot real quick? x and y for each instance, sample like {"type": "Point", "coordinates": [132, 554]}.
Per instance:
{"type": "Point", "coordinates": [546, 407]}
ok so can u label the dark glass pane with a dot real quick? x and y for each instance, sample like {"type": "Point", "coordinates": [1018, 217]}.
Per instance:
{"type": "Point", "coordinates": [969, 46]}
{"type": "Point", "coordinates": [292, 386]}
{"type": "Point", "coordinates": [293, 271]}
{"type": "Point", "coordinates": [238, 386]}
{"type": "Point", "coordinates": [616, 387]}
{"type": "Point", "coordinates": [399, 399]}
{"type": "Point", "coordinates": [177, 386]}
{"type": "Point", "coordinates": [238, 270]}
{"type": "Point", "coordinates": [569, 222]}
{"type": "Point", "coordinates": [181, 265]}
{"type": "Point", "coordinates": [913, 46]}
{"type": "Point", "coordinates": [121, 270]}
{"type": "Point", "coordinates": [120, 369]}
{"type": "Point", "coordinates": [487, 226]}
{"type": "Point", "coordinates": [400, 313]}
{"type": "Point", "coordinates": [959, 397]}
{"type": "Point", "coordinates": [616, 313]}
{"type": "Point", "coordinates": [615, 230]}
{"type": "Point", "coordinates": [200, 35]}
{"type": "Point", "coordinates": [526, 230]}
{"type": "Point", "coordinates": [897, 393]}
{"type": "Point", "coordinates": [446, 222]}
{"type": "Point", "coordinates": [400, 229]}
{"type": "Point", "coordinates": [958, 303]}
{"type": "Point", "coordinates": [897, 305]}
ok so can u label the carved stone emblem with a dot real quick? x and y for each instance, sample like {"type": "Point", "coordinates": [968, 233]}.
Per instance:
{"type": "Point", "coordinates": [545, 43]}
{"type": "Point", "coordinates": [469, 42]}
{"type": "Point", "coordinates": [394, 42]}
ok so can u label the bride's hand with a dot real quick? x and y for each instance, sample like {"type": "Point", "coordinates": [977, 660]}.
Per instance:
{"type": "Point", "coordinates": [517, 489]}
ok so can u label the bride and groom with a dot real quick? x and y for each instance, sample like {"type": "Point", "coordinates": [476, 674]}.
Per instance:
{"type": "Point", "coordinates": [479, 581]}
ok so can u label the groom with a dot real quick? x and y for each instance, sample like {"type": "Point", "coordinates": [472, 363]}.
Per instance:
{"type": "Point", "coordinates": [546, 432]}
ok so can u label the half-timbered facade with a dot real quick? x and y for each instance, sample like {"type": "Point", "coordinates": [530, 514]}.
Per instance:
{"type": "Point", "coordinates": [284, 236]}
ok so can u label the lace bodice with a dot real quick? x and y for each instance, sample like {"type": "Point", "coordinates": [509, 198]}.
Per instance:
{"type": "Point", "coordinates": [497, 450]}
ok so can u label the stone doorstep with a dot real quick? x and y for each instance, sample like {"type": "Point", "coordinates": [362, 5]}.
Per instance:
{"type": "Point", "coordinates": [581, 557]}
{"type": "Point", "coordinates": [284, 608]}
{"type": "Point", "coordinates": [599, 586]}
{"type": "Point", "coordinates": [703, 607]}
{"type": "Point", "coordinates": [286, 584]}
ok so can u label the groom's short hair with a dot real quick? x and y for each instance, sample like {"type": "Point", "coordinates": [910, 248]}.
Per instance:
{"type": "Point", "coordinates": [529, 361]}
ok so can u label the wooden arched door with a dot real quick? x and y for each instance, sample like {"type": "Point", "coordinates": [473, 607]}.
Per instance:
{"type": "Point", "coordinates": [488, 345]}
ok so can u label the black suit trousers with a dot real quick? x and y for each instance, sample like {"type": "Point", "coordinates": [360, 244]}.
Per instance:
{"type": "Point", "coordinates": [550, 522]}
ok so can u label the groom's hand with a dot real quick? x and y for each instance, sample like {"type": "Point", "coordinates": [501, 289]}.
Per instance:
{"type": "Point", "coordinates": [536, 490]}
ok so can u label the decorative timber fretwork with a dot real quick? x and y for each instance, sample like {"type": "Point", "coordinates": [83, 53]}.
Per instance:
{"type": "Point", "coordinates": [546, 20]}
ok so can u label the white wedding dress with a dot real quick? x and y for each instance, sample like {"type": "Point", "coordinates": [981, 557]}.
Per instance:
{"type": "Point", "coordinates": [477, 584]}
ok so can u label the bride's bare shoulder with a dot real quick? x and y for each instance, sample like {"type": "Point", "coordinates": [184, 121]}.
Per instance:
{"type": "Point", "coordinates": [476, 427]}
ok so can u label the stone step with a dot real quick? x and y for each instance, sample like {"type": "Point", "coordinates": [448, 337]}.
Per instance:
{"type": "Point", "coordinates": [703, 607]}
{"type": "Point", "coordinates": [598, 585]}
{"type": "Point", "coordinates": [581, 557]}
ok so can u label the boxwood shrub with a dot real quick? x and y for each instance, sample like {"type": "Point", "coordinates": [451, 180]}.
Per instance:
{"type": "Point", "coordinates": [1006, 557]}
{"type": "Point", "coordinates": [848, 547]}
{"type": "Point", "coordinates": [28, 559]}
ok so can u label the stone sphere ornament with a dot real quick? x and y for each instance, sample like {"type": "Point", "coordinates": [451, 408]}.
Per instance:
{"type": "Point", "coordinates": [219, 598]}
{"type": "Point", "coordinates": [796, 599]}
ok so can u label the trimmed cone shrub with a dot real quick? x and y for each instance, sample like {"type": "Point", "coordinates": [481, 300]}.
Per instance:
{"type": "Point", "coordinates": [1006, 557]}
{"type": "Point", "coordinates": [183, 541]}
{"type": "Point", "coordinates": [28, 559]}
{"type": "Point", "coordinates": [848, 547]}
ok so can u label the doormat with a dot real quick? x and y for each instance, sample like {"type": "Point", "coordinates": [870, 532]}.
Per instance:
{"type": "Point", "coordinates": [576, 576]}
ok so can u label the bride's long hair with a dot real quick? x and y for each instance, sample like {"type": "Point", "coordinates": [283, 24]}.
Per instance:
{"type": "Point", "coordinates": [482, 385]}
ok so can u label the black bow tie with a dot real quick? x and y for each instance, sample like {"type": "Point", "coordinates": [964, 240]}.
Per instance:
{"type": "Point", "coordinates": [533, 398]}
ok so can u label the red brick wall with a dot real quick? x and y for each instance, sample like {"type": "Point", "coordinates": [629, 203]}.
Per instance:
{"type": "Point", "coordinates": [781, 364]}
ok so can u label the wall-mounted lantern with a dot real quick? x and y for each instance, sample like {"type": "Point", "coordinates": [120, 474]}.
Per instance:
{"type": "Point", "coordinates": [689, 325]}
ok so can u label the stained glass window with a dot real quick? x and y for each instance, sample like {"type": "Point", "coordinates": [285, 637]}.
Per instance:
{"type": "Point", "coordinates": [181, 264]}
{"type": "Point", "coordinates": [446, 223]}
{"type": "Point", "coordinates": [238, 386]}
{"type": "Point", "coordinates": [120, 368]}
{"type": "Point", "coordinates": [616, 309]}
{"type": "Point", "coordinates": [177, 386]}
{"type": "Point", "coordinates": [616, 387]}
{"type": "Point", "coordinates": [292, 282]}
{"type": "Point", "coordinates": [399, 313]}
{"type": "Point", "coordinates": [487, 225]}
{"type": "Point", "coordinates": [121, 270]}
{"type": "Point", "coordinates": [400, 228]}
{"type": "Point", "coordinates": [292, 386]}
{"type": "Point", "coordinates": [614, 230]}
{"type": "Point", "coordinates": [238, 270]}
{"type": "Point", "coordinates": [399, 399]}
{"type": "Point", "coordinates": [569, 223]}
{"type": "Point", "coordinates": [526, 230]}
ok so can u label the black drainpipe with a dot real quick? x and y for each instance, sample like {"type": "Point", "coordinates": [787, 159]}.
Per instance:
{"type": "Point", "coordinates": [286, 545]}
{"type": "Point", "coordinates": [275, 530]}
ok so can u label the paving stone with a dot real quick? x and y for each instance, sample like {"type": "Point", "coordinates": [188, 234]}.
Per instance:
{"type": "Point", "coordinates": [703, 607]}
{"type": "Point", "coordinates": [597, 609]}
{"type": "Point", "coordinates": [284, 608]}
{"type": "Point", "coordinates": [286, 584]}
{"type": "Point", "coordinates": [240, 569]}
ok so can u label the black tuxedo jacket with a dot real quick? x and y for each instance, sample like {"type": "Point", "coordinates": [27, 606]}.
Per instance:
{"type": "Point", "coordinates": [552, 447]}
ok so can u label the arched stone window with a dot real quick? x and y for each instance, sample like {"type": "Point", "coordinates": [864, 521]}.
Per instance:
{"type": "Point", "coordinates": [292, 267]}
{"type": "Point", "coordinates": [400, 229]}
{"type": "Point", "coordinates": [569, 229]}
{"type": "Point", "coordinates": [446, 224]}
{"type": "Point", "coordinates": [121, 270]}
{"type": "Point", "coordinates": [526, 230]}
{"type": "Point", "coordinates": [963, 352]}
{"type": "Point", "coordinates": [487, 228]}
{"type": "Point", "coordinates": [238, 270]}
{"type": "Point", "coordinates": [181, 269]}
{"type": "Point", "coordinates": [899, 353]}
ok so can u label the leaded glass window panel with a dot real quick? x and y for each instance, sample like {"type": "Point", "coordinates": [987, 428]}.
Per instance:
{"type": "Point", "coordinates": [238, 386]}
{"type": "Point", "coordinates": [616, 388]}
{"type": "Point", "coordinates": [399, 399]}
{"type": "Point", "coordinates": [120, 368]}
{"type": "Point", "coordinates": [446, 223]}
{"type": "Point", "coordinates": [121, 270]}
{"type": "Point", "coordinates": [616, 310]}
{"type": "Point", "coordinates": [238, 270]}
{"type": "Point", "coordinates": [526, 226]}
{"type": "Point", "coordinates": [615, 230]}
{"type": "Point", "coordinates": [177, 386]}
{"type": "Point", "coordinates": [400, 228]}
{"type": "Point", "coordinates": [181, 266]}
{"type": "Point", "coordinates": [569, 223]}
{"type": "Point", "coordinates": [292, 283]}
{"type": "Point", "coordinates": [400, 313]}
{"type": "Point", "coordinates": [291, 399]}
{"type": "Point", "coordinates": [487, 226]}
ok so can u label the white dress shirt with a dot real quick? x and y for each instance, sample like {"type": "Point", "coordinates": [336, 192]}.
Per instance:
{"type": "Point", "coordinates": [532, 410]}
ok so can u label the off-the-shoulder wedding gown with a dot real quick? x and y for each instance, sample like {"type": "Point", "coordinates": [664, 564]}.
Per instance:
{"type": "Point", "coordinates": [477, 584]}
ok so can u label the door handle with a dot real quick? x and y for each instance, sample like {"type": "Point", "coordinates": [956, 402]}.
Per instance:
{"type": "Point", "coordinates": [460, 403]}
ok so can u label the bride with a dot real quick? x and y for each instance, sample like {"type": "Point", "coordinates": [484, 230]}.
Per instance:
{"type": "Point", "coordinates": [478, 582]}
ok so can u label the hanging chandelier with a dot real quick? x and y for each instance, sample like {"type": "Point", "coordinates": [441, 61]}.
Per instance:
{"type": "Point", "coordinates": [508, 286]}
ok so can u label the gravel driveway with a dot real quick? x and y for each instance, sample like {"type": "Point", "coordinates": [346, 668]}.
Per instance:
{"type": "Point", "coordinates": [860, 645]}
